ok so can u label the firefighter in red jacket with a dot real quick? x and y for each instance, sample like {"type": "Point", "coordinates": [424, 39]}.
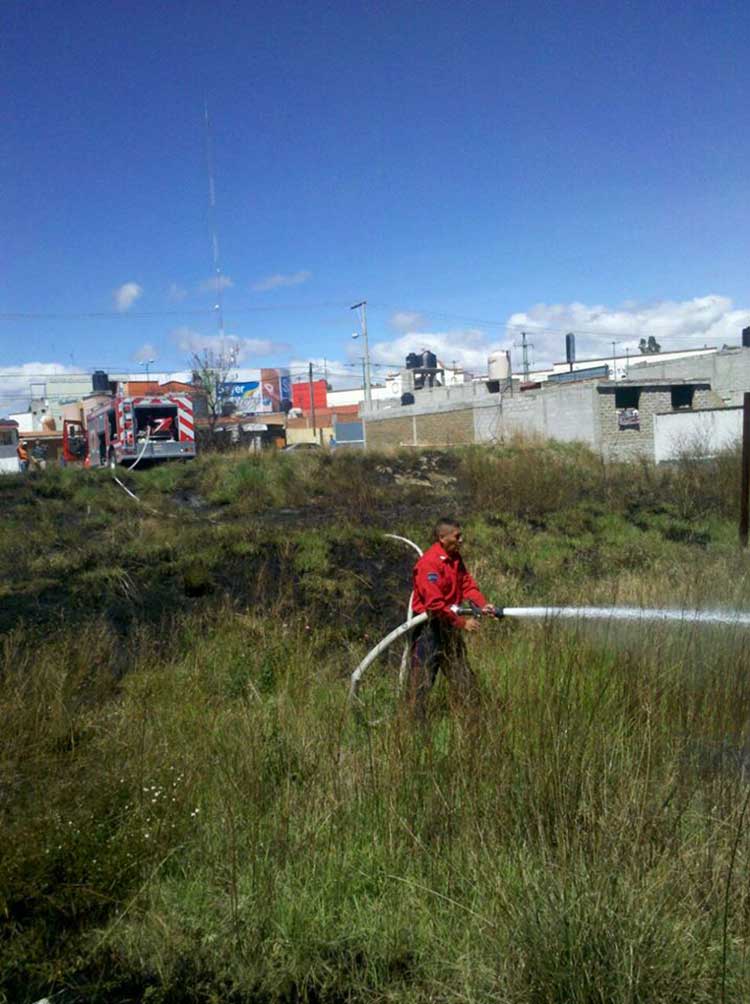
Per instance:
{"type": "Point", "coordinates": [442, 583]}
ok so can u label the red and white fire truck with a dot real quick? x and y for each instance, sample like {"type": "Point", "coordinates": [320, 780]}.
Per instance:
{"type": "Point", "coordinates": [126, 429]}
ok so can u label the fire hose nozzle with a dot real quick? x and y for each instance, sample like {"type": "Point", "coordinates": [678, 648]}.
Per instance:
{"type": "Point", "coordinates": [471, 609]}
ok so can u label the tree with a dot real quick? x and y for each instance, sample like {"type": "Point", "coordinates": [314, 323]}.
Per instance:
{"type": "Point", "coordinates": [211, 371]}
{"type": "Point", "coordinates": [650, 347]}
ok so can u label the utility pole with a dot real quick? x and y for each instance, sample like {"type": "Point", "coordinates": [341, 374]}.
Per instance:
{"type": "Point", "coordinates": [525, 345]}
{"type": "Point", "coordinates": [745, 479]}
{"type": "Point", "coordinates": [614, 362]}
{"type": "Point", "coordinates": [312, 398]}
{"type": "Point", "coordinates": [363, 320]}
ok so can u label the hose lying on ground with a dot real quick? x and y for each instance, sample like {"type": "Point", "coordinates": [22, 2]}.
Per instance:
{"type": "Point", "coordinates": [381, 647]}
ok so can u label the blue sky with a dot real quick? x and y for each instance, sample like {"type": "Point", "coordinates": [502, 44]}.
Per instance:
{"type": "Point", "coordinates": [463, 166]}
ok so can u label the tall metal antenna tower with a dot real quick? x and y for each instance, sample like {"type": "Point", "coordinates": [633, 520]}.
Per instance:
{"type": "Point", "coordinates": [218, 277]}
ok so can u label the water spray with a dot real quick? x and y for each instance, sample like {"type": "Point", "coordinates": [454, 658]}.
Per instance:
{"type": "Point", "coordinates": [727, 618]}
{"type": "Point", "coordinates": [637, 615]}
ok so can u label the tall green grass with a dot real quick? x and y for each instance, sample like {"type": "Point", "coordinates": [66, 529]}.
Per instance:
{"type": "Point", "coordinates": [191, 812]}
{"type": "Point", "coordinates": [220, 824]}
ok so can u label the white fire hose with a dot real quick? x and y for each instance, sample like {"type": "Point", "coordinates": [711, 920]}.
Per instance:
{"type": "Point", "coordinates": [381, 647]}
{"type": "Point", "coordinates": [410, 622]}
{"type": "Point", "coordinates": [404, 667]}
{"type": "Point", "coordinates": [143, 449]}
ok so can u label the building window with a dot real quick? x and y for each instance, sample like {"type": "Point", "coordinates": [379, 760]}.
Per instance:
{"type": "Point", "coordinates": [627, 397]}
{"type": "Point", "coordinates": [682, 397]}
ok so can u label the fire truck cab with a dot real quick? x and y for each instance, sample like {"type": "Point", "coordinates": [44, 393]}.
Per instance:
{"type": "Point", "coordinates": [140, 428]}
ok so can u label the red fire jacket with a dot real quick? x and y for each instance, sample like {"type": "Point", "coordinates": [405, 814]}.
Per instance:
{"type": "Point", "coordinates": [440, 582]}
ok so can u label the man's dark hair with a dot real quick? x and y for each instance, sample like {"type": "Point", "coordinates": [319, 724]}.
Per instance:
{"type": "Point", "coordinates": [444, 523]}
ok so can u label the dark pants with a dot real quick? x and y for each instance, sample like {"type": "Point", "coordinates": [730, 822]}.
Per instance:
{"type": "Point", "coordinates": [436, 647]}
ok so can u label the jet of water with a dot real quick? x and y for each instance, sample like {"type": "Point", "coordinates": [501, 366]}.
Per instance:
{"type": "Point", "coordinates": [727, 617]}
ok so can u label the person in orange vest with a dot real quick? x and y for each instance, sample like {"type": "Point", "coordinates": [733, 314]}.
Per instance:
{"type": "Point", "coordinates": [441, 585]}
{"type": "Point", "coordinates": [23, 455]}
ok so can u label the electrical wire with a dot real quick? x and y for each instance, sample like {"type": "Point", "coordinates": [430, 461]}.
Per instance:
{"type": "Point", "coordinates": [529, 326]}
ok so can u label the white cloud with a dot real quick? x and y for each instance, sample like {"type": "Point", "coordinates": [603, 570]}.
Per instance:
{"type": "Point", "coordinates": [214, 283]}
{"type": "Point", "coordinates": [711, 320]}
{"type": "Point", "coordinates": [406, 320]}
{"type": "Point", "coordinates": [704, 320]}
{"type": "Point", "coordinates": [468, 347]}
{"type": "Point", "coordinates": [126, 295]}
{"type": "Point", "coordinates": [16, 383]}
{"type": "Point", "coordinates": [279, 279]}
{"type": "Point", "coordinates": [244, 349]}
{"type": "Point", "coordinates": [146, 353]}
{"type": "Point", "coordinates": [176, 293]}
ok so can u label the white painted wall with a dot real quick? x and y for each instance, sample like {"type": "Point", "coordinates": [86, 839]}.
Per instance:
{"type": "Point", "coordinates": [356, 395]}
{"type": "Point", "coordinates": [706, 432]}
{"type": "Point", "coordinates": [25, 421]}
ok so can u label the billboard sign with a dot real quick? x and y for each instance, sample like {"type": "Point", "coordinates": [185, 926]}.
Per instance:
{"type": "Point", "coordinates": [246, 396]}
{"type": "Point", "coordinates": [276, 389]}
{"type": "Point", "coordinates": [269, 393]}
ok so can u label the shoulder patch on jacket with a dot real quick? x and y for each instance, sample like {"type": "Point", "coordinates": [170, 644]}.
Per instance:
{"type": "Point", "coordinates": [432, 576]}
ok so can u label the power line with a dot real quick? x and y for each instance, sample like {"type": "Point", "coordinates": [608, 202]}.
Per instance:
{"type": "Point", "coordinates": [206, 312]}
{"type": "Point", "coordinates": [108, 315]}
{"type": "Point", "coordinates": [531, 327]}
{"type": "Point", "coordinates": [114, 315]}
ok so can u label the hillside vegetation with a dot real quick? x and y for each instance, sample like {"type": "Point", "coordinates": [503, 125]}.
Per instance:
{"type": "Point", "coordinates": [192, 812]}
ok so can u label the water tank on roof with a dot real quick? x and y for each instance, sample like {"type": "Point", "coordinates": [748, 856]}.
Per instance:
{"type": "Point", "coordinates": [100, 382]}
{"type": "Point", "coordinates": [429, 360]}
{"type": "Point", "coordinates": [498, 366]}
{"type": "Point", "coordinates": [413, 361]}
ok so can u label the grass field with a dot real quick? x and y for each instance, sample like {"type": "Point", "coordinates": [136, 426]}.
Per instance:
{"type": "Point", "coordinates": [191, 812]}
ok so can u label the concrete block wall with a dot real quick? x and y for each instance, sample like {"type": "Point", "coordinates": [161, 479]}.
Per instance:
{"type": "Point", "coordinates": [629, 444]}
{"type": "Point", "coordinates": [461, 395]}
{"type": "Point", "coordinates": [727, 371]}
{"type": "Point", "coordinates": [568, 414]}
{"type": "Point", "coordinates": [581, 413]}
{"type": "Point", "coordinates": [386, 433]}
{"type": "Point", "coordinates": [449, 428]}
{"type": "Point", "coordinates": [571, 414]}
{"type": "Point", "coordinates": [454, 427]}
